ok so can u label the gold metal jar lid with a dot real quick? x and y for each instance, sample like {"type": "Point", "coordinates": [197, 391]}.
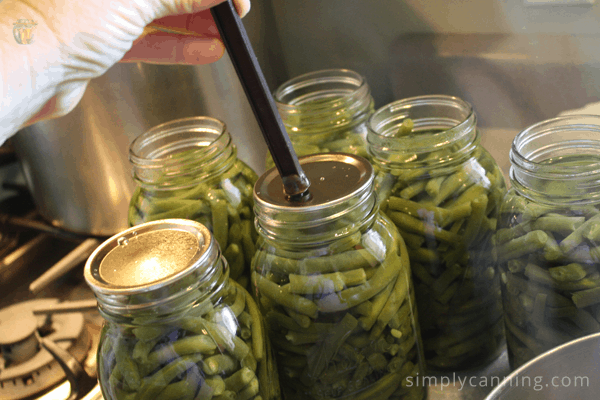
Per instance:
{"type": "Point", "coordinates": [334, 178]}
{"type": "Point", "coordinates": [341, 200]}
{"type": "Point", "coordinates": [150, 261]}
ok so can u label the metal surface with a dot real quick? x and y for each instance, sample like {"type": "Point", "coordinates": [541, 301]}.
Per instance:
{"type": "Point", "coordinates": [67, 263]}
{"type": "Point", "coordinates": [77, 166]}
{"type": "Point", "coordinates": [66, 307]}
{"type": "Point", "coordinates": [569, 371]}
{"type": "Point", "coordinates": [68, 363]}
{"type": "Point", "coordinates": [334, 177]}
{"type": "Point", "coordinates": [147, 257]}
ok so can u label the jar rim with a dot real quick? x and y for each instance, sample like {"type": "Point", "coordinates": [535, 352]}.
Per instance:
{"type": "Point", "coordinates": [172, 128]}
{"type": "Point", "coordinates": [308, 79]}
{"type": "Point", "coordinates": [564, 123]}
{"type": "Point", "coordinates": [535, 149]}
{"type": "Point", "coordinates": [453, 123]}
{"type": "Point", "coordinates": [415, 142]}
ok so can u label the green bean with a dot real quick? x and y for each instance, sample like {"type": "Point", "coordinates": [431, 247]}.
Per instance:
{"type": "Point", "coordinates": [127, 367]}
{"type": "Point", "coordinates": [147, 333]}
{"type": "Point", "coordinates": [585, 298]}
{"type": "Point", "coordinates": [257, 329]}
{"type": "Point", "coordinates": [321, 354]}
{"type": "Point", "coordinates": [238, 380]}
{"type": "Point", "coordinates": [220, 227]}
{"type": "Point", "coordinates": [574, 239]}
{"type": "Point", "coordinates": [474, 224]}
{"type": "Point", "coordinates": [197, 344]}
{"type": "Point", "coordinates": [326, 283]}
{"type": "Point", "coordinates": [250, 362]}
{"type": "Point", "coordinates": [217, 384]}
{"type": "Point", "coordinates": [227, 395]}
{"type": "Point", "coordinates": [320, 359]}
{"type": "Point", "coordinates": [585, 321]}
{"type": "Point", "coordinates": [240, 301]}
{"type": "Point", "coordinates": [433, 186]}
{"type": "Point", "coordinates": [558, 223]}
{"type": "Point", "coordinates": [455, 183]}
{"type": "Point", "coordinates": [219, 334]}
{"type": "Point", "coordinates": [417, 210]}
{"type": "Point", "coordinates": [233, 254]}
{"type": "Point", "coordinates": [157, 382]}
{"type": "Point", "coordinates": [568, 273]}
{"type": "Point", "coordinates": [414, 225]}
{"type": "Point", "coordinates": [142, 349]}
{"type": "Point", "coordinates": [413, 189]}
{"type": "Point", "coordinates": [283, 295]}
{"type": "Point", "coordinates": [525, 244]}
{"type": "Point", "coordinates": [382, 389]}
{"type": "Point", "coordinates": [379, 301]}
{"type": "Point", "coordinates": [178, 390]}
{"type": "Point", "coordinates": [351, 297]}
{"type": "Point", "coordinates": [220, 363]}
{"type": "Point", "coordinates": [412, 240]}
{"type": "Point", "coordinates": [300, 319]}
{"type": "Point", "coordinates": [342, 262]}
{"type": "Point", "coordinates": [398, 295]}
{"type": "Point", "coordinates": [507, 234]}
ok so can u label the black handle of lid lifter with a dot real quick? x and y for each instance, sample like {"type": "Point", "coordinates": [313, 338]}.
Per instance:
{"type": "Point", "coordinates": [233, 34]}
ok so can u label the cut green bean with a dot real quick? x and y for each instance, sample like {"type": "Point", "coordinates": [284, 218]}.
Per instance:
{"type": "Point", "coordinates": [326, 283]}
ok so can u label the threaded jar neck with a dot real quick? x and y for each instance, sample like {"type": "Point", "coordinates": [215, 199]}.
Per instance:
{"type": "Point", "coordinates": [323, 101]}
{"type": "Point", "coordinates": [558, 160]}
{"type": "Point", "coordinates": [181, 153]}
{"type": "Point", "coordinates": [444, 133]}
{"type": "Point", "coordinates": [343, 202]}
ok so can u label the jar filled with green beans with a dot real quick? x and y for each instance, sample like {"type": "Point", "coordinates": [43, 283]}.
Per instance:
{"type": "Point", "coordinates": [548, 242]}
{"type": "Point", "coordinates": [332, 279]}
{"type": "Point", "coordinates": [188, 168]}
{"type": "Point", "coordinates": [176, 326]}
{"type": "Point", "coordinates": [325, 111]}
{"type": "Point", "coordinates": [443, 191]}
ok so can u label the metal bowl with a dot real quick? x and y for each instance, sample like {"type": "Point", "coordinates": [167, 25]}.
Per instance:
{"type": "Point", "coordinates": [569, 371]}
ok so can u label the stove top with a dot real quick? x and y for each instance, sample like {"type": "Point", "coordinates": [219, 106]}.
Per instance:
{"type": "Point", "coordinates": [57, 329]}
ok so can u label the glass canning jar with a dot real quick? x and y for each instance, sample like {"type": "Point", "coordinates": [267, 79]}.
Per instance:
{"type": "Point", "coordinates": [547, 244]}
{"type": "Point", "coordinates": [188, 168]}
{"type": "Point", "coordinates": [176, 326]}
{"type": "Point", "coordinates": [332, 279]}
{"type": "Point", "coordinates": [443, 191]}
{"type": "Point", "coordinates": [325, 111]}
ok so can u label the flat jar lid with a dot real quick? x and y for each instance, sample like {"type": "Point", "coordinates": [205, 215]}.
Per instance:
{"type": "Point", "coordinates": [334, 178]}
{"type": "Point", "coordinates": [148, 256]}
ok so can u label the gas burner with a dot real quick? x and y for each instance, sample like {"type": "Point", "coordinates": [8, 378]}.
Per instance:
{"type": "Point", "coordinates": [26, 368]}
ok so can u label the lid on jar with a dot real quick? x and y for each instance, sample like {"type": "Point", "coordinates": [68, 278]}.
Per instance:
{"type": "Point", "coordinates": [341, 200]}
{"type": "Point", "coordinates": [150, 261]}
{"type": "Point", "coordinates": [334, 178]}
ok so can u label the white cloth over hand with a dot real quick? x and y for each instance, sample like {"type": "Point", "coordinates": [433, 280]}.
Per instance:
{"type": "Point", "coordinates": [75, 41]}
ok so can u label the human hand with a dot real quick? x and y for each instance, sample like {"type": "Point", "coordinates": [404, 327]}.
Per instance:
{"type": "Point", "coordinates": [78, 40]}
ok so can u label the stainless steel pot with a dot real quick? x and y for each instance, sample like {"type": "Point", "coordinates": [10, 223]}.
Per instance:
{"type": "Point", "coordinates": [77, 166]}
{"type": "Point", "coordinates": [570, 371]}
